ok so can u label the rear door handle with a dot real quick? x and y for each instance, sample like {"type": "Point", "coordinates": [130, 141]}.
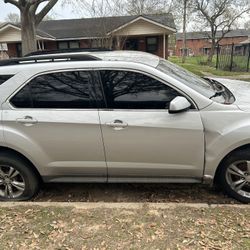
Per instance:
{"type": "Point", "coordinates": [27, 120]}
{"type": "Point", "coordinates": [117, 124]}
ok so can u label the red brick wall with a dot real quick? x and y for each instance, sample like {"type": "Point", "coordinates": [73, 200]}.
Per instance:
{"type": "Point", "coordinates": [12, 51]}
{"type": "Point", "coordinates": [160, 47]}
{"type": "Point", "coordinates": [142, 45]}
{"type": "Point", "coordinates": [50, 45]}
{"type": "Point", "coordinates": [85, 44]}
{"type": "Point", "coordinates": [197, 44]}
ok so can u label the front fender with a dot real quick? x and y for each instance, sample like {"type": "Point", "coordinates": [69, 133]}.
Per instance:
{"type": "Point", "coordinates": [225, 131]}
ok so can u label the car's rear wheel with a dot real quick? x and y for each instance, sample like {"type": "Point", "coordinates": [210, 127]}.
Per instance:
{"type": "Point", "coordinates": [235, 176]}
{"type": "Point", "coordinates": [17, 179]}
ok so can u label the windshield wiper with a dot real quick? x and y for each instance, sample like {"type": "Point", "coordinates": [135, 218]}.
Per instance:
{"type": "Point", "coordinates": [217, 93]}
{"type": "Point", "coordinates": [217, 86]}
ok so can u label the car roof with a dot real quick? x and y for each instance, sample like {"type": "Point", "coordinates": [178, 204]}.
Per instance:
{"type": "Point", "coordinates": [122, 56]}
{"type": "Point", "coordinates": [129, 56]}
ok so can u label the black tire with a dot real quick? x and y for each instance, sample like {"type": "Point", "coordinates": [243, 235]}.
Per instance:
{"type": "Point", "coordinates": [28, 175]}
{"type": "Point", "coordinates": [222, 180]}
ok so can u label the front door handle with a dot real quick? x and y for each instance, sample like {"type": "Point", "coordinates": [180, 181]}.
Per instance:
{"type": "Point", "coordinates": [117, 124]}
{"type": "Point", "coordinates": [27, 120]}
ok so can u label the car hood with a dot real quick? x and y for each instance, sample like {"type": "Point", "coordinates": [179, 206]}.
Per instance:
{"type": "Point", "coordinates": [241, 91]}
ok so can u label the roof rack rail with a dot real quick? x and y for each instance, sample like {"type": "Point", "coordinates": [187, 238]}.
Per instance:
{"type": "Point", "coordinates": [47, 58]}
{"type": "Point", "coordinates": [61, 51]}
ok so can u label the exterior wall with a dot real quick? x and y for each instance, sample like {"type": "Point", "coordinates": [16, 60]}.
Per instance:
{"type": "Point", "coordinates": [161, 47]}
{"type": "Point", "coordinates": [141, 27]}
{"type": "Point", "coordinates": [12, 50]}
{"type": "Point", "coordinates": [85, 44]}
{"type": "Point", "coordinates": [10, 35]}
{"type": "Point", "coordinates": [196, 45]}
{"type": "Point", "coordinates": [52, 45]}
{"type": "Point", "coordinates": [142, 44]}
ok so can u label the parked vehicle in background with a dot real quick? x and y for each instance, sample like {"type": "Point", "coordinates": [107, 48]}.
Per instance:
{"type": "Point", "coordinates": [119, 117]}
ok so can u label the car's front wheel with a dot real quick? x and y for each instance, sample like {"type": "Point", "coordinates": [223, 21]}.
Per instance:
{"type": "Point", "coordinates": [17, 179]}
{"type": "Point", "coordinates": [235, 176]}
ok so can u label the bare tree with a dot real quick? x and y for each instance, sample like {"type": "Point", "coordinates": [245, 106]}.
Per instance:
{"type": "Point", "coordinates": [184, 47]}
{"type": "Point", "coordinates": [101, 9]}
{"type": "Point", "coordinates": [220, 15]}
{"type": "Point", "coordinates": [247, 25]}
{"type": "Point", "coordinates": [30, 19]}
{"type": "Point", "coordinates": [96, 8]}
{"type": "Point", "coordinates": [13, 18]}
{"type": "Point", "coordinates": [140, 7]}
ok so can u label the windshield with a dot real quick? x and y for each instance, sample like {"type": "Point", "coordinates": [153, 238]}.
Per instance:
{"type": "Point", "coordinates": [186, 77]}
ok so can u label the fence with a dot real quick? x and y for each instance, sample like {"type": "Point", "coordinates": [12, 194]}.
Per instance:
{"type": "Point", "coordinates": [233, 58]}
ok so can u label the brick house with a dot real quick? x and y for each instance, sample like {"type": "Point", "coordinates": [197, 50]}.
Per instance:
{"type": "Point", "coordinates": [144, 33]}
{"type": "Point", "coordinates": [198, 43]}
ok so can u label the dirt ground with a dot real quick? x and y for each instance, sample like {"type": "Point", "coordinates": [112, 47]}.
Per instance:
{"type": "Point", "coordinates": [33, 227]}
{"type": "Point", "coordinates": [185, 193]}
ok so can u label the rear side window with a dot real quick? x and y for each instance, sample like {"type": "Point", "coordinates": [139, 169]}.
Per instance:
{"type": "Point", "coordinates": [64, 90]}
{"type": "Point", "coordinates": [4, 78]}
{"type": "Point", "coordinates": [132, 90]}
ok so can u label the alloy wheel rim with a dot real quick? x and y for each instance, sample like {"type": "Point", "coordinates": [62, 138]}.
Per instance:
{"type": "Point", "coordinates": [12, 184]}
{"type": "Point", "coordinates": [238, 177]}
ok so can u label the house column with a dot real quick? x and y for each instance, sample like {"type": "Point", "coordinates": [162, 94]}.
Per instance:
{"type": "Point", "coordinates": [164, 46]}
{"type": "Point", "coordinates": [167, 36]}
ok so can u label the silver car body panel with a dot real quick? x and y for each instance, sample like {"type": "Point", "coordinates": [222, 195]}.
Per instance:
{"type": "Point", "coordinates": [149, 143]}
{"type": "Point", "coordinates": [58, 143]}
{"type": "Point", "coordinates": [154, 146]}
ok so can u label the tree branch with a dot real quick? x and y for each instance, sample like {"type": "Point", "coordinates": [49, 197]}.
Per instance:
{"type": "Point", "coordinates": [13, 2]}
{"type": "Point", "coordinates": [39, 17]}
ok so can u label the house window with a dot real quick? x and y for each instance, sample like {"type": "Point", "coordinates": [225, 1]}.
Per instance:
{"type": "Point", "coordinates": [151, 44]}
{"type": "Point", "coordinates": [74, 45]}
{"type": "Point", "coordinates": [132, 44]}
{"type": "Point", "coordinates": [68, 45]}
{"type": "Point", "coordinates": [97, 43]}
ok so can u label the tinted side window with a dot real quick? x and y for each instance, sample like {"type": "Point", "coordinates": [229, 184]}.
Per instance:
{"type": "Point", "coordinates": [4, 78]}
{"type": "Point", "coordinates": [131, 90]}
{"type": "Point", "coordinates": [23, 98]}
{"type": "Point", "coordinates": [64, 90]}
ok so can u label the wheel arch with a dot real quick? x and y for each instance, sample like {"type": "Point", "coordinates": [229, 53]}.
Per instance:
{"type": "Point", "coordinates": [24, 158]}
{"type": "Point", "coordinates": [218, 169]}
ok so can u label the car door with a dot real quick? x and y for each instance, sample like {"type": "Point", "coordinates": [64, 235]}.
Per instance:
{"type": "Point", "coordinates": [142, 140]}
{"type": "Point", "coordinates": [54, 119]}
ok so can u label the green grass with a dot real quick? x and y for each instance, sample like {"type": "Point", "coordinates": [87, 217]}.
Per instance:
{"type": "Point", "coordinates": [198, 66]}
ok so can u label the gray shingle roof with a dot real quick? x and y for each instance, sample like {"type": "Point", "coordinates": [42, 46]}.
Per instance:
{"type": "Point", "coordinates": [204, 35]}
{"type": "Point", "coordinates": [96, 27]}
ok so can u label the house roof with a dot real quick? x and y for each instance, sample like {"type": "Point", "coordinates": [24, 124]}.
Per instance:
{"type": "Point", "coordinates": [40, 33]}
{"type": "Point", "coordinates": [205, 34]}
{"type": "Point", "coordinates": [97, 27]}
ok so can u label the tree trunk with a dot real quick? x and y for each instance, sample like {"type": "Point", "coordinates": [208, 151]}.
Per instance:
{"type": "Point", "coordinates": [184, 41]}
{"type": "Point", "coordinates": [212, 51]}
{"type": "Point", "coordinates": [29, 43]}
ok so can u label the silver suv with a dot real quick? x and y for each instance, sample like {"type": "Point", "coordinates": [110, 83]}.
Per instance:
{"type": "Point", "coordinates": [119, 117]}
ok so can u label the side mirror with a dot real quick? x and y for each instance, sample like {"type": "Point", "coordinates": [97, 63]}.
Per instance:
{"type": "Point", "coordinates": [179, 104]}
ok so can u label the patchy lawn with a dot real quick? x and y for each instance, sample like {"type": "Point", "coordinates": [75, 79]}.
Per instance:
{"type": "Point", "coordinates": [175, 228]}
{"type": "Point", "coordinates": [138, 193]}
{"type": "Point", "coordinates": [198, 67]}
